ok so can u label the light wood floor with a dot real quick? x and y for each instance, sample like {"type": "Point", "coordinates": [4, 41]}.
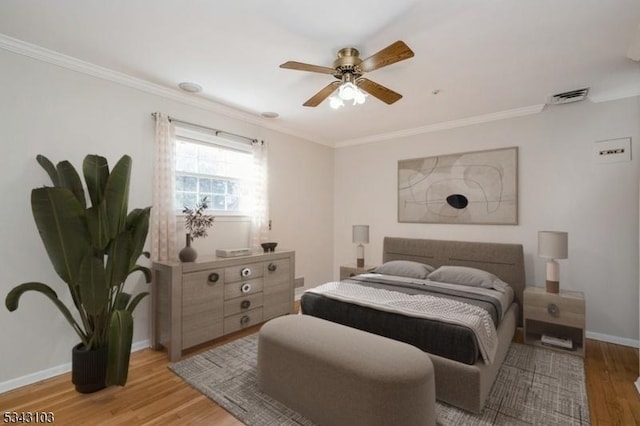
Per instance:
{"type": "Point", "coordinates": [154, 395]}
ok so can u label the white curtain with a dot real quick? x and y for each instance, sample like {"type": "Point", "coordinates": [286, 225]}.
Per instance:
{"type": "Point", "coordinates": [260, 208]}
{"type": "Point", "coordinates": [163, 213]}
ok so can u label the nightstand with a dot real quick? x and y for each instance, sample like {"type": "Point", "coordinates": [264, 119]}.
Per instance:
{"type": "Point", "coordinates": [351, 270]}
{"type": "Point", "coordinates": [559, 315]}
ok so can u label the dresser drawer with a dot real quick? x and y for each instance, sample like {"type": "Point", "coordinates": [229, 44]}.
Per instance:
{"type": "Point", "coordinates": [243, 272]}
{"type": "Point", "coordinates": [243, 288]}
{"type": "Point", "coordinates": [242, 304]}
{"type": "Point", "coordinates": [242, 320]}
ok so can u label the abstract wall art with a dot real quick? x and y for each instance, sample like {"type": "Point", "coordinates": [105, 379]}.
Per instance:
{"type": "Point", "coordinates": [478, 187]}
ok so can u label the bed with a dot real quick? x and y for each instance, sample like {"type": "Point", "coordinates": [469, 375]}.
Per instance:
{"type": "Point", "coordinates": [464, 374]}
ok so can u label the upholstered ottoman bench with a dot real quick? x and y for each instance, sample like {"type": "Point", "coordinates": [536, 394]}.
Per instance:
{"type": "Point", "coordinates": [337, 375]}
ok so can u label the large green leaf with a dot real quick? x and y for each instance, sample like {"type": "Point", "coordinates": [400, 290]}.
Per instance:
{"type": "Point", "coordinates": [94, 291]}
{"type": "Point", "coordinates": [116, 195]}
{"type": "Point", "coordinates": [48, 166]}
{"type": "Point", "coordinates": [146, 271]}
{"type": "Point", "coordinates": [136, 300]}
{"type": "Point", "coordinates": [69, 178]}
{"type": "Point", "coordinates": [138, 223]}
{"type": "Point", "coordinates": [119, 253]}
{"type": "Point", "coordinates": [119, 347]}
{"type": "Point", "coordinates": [98, 226]}
{"type": "Point", "coordinates": [13, 298]}
{"type": "Point", "coordinates": [122, 300]}
{"type": "Point", "coordinates": [96, 173]}
{"type": "Point", "coordinates": [62, 226]}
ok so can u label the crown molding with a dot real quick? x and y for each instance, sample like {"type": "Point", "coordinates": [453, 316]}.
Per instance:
{"type": "Point", "coordinates": [52, 57]}
{"type": "Point", "coordinates": [445, 125]}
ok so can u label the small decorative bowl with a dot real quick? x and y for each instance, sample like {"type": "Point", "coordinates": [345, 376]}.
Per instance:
{"type": "Point", "coordinates": [269, 246]}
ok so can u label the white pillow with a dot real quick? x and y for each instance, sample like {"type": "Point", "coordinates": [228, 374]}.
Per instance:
{"type": "Point", "coordinates": [404, 268]}
{"type": "Point", "coordinates": [464, 275]}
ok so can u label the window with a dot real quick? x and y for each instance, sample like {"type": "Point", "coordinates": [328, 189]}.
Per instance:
{"type": "Point", "coordinates": [215, 168]}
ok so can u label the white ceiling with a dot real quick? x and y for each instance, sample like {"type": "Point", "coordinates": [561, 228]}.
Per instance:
{"type": "Point", "coordinates": [484, 56]}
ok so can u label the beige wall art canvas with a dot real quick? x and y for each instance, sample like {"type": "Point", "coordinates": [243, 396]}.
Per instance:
{"type": "Point", "coordinates": [478, 187]}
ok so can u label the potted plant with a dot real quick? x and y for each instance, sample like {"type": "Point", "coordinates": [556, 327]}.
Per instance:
{"type": "Point", "coordinates": [196, 223]}
{"type": "Point", "coordinates": [93, 249]}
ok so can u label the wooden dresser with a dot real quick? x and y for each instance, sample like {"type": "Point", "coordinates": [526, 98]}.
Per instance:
{"type": "Point", "coordinates": [195, 302]}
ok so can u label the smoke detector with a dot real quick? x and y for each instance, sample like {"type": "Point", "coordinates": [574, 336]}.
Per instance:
{"type": "Point", "coordinates": [568, 97]}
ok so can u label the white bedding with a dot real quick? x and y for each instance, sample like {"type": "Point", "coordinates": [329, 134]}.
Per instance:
{"type": "Point", "coordinates": [504, 295]}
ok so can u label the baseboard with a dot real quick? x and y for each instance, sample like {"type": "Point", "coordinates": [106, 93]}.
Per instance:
{"type": "Point", "coordinates": [613, 339]}
{"type": "Point", "coordinates": [38, 376]}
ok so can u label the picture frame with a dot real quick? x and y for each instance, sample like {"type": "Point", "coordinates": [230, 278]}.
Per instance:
{"type": "Point", "coordinates": [477, 187]}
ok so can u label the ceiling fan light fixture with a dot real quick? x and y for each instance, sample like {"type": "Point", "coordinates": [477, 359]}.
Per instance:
{"type": "Point", "coordinates": [348, 91]}
{"type": "Point", "coordinates": [335, 102]}
{"type": "Point", "coordinates": [360, 97]}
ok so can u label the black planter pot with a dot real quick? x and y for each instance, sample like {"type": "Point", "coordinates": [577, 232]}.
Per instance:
{"type": "Point", "coordinates": [88, 369]}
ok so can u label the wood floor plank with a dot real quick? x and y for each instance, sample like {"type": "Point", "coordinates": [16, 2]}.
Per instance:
{"type": "Point", "coordinates": [156, 396]}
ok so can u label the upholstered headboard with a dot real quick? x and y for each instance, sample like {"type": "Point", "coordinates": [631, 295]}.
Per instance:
{"type": "Point", "coordinates": [506, 261]}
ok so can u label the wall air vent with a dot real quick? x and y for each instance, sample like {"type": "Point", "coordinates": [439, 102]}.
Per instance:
{"type": "Point", "coordinates": [568, 97]}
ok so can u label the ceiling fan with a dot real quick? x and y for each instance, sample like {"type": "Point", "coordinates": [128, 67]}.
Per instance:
{"type": "Point", "coordinates": [349, 70]}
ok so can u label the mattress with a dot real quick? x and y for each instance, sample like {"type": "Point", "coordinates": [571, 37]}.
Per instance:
{"type": "Point", "coordinates": [436, 336]}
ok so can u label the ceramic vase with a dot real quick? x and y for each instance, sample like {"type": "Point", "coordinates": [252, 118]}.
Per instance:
{"type": "Point", "coordinates": [188, 253]}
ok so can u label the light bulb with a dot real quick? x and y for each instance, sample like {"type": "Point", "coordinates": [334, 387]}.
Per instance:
{"type": "Point", "coordinates": [347, 91]}
{"type": "Point", "coordinates": [335, 102]}
{"type": "Point", "coordinates": [359, 98]}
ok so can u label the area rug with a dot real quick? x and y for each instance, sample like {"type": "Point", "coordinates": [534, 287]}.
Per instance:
{"type": "Point", "coordinates": [535, 386]}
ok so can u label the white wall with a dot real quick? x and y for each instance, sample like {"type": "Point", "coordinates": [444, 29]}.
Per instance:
{"type": "Point", "coordinates": [45, 109]}
{"type": "Point", "coordinates": [560, 188]}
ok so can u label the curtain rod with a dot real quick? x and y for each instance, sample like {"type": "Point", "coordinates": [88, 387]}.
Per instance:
{"type": "Point", "coordinates": [215, 131]}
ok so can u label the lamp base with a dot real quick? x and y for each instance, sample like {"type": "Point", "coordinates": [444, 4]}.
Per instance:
{"type": "Point", "coordinates": [360, 262]}
{"type": "Point", "coordinates": [553, 287]}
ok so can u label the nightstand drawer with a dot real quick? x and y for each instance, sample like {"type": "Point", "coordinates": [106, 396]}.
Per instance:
{"type": "Point", "coordinates": [555, 309]}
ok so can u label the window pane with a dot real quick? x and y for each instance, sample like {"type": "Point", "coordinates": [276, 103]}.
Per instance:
{"type": "Point", "coordinates": [190, 184]}
{"type": "Point", "coordinates": [232, 187]}
{"type": "Point", "coordinates": [218, 202]}
{"type": "Point", "coordinates": [188, 199]}
{"type": "Point", "coordinates": [232, 202]}
{"type": "Point", "coordinates": [205, 185]}
{"type": "Point", "coordinates": [180, 183]}
{"type": "Point", "coordinates": [219, 186]}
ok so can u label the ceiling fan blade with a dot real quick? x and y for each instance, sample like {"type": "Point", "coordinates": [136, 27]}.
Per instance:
{"type": "Point", "coordinates": [386, 95]}
{"type": "Point", "coordinates": [323, 94]}
{"type": "Point", "coordinates": [391, 54]}
{"type": "Point", "coordinates": [299, 66]}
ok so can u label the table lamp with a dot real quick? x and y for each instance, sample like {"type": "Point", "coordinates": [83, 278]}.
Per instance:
{"type": "Point", "coordinates": [360, 236]}
{"type": "Point", "coordinates": [553, 245]}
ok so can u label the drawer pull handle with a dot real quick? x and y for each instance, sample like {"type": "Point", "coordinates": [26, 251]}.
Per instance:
{"type": "Point", "coordinates": [272, 267]}
{"type": "Point", "coordinates": [214, 277]}
{"type": "Point", "coordinates": [245, 272]}
{"type": "Point", "coordinates": [245, 320]}
{"type": "Point", "coordinates": [246, 288]}
{"type": "Point", "coordinates": [553, 309]}
{"type": "Point", "coordinates": [245, 304]}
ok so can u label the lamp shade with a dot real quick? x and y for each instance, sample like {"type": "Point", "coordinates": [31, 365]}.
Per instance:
{"type": "Point", "coordinates": [361, 234]}
{"type": "Point", "coordinates": [553, 244]}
